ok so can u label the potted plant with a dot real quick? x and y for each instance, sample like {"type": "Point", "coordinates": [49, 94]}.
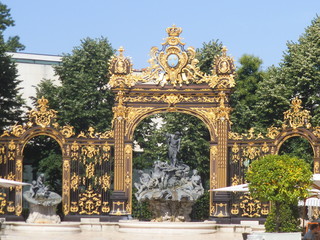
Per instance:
{"type": "Point", "coordinates": [283, 180]}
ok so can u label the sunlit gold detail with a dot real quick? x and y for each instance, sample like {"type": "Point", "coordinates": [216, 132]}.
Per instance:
{"type": "Point", "coordinates": [67, 131]}
{"type": "Point", "coordinates": [235, 209]}
{"type": "Point", "coordinates": [42, 116]}
{"type": "Point", "coordinates": [10, 208]}
{"type": "Point", "coordinates": [3, 202]}
{"type": "Point", "coordinates": [213, 181]}
{"type": "Point", "coordinates": [18, 209]}
{"type": "Point", "coordinates": [74, 207]}
{"type": "Point", "coordinates": [107, 134]}
{"type": "Point", "coordinates": [220, 210]}
{"type": "Point", "coordinates": [212, 210]}
{"type": "Point", "coordinates": [12, 146]}
{"type": "Point", "coordinates": [89, 202]}
{"type": "Point", "coordinates": [74, 182]}
{"type": "Point", "coordinates": [18, 130]}
{"type": "Point", "coordinates": [251, 152]}
{"type": "Point", "coordinates": [66, 209]}
{"type": "Point", "coordinates": [66, 165]}
{"type": "Point", "coordinates": [265, 209]}
{"type": "Point", "coordinates": [250, 207]}
{"type": "Point", "coordinates": [265, 148]}
{"type": "Point", "coordinates": [5, 134]}
{"type": "Point", "coordinates": [316, 167]}
{"type": "Point", "coordinates": [183, 69]}
{"type": "Point", "coordinates": [105, 182]}
{"type": "Point", "coordinates": [89, 151]}
{"type": "Point", "coordinates": [90, 170]}
{"type": "Point", "coordinates": [120, 68]}
{"type": "Point", "coordinates": [296, 117]}
{"type": "Point", "coordinates": [236, 180]}
{"type": "Point", "coordinates": [105, 207]}
{"type": "Point", "coordinates": [234, 136]}
{"type": "Point", "coordinates": [18, 166]}
{"type": "Point", "coordinates": [127, 180]}
{"type": "Point", "coordinates": [11, 176]}
{"type": "Point", "coordinates": [273, 132]}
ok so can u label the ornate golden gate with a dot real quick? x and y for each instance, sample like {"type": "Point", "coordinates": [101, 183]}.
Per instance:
{"type": "Point", "coordinates": [173, 83]}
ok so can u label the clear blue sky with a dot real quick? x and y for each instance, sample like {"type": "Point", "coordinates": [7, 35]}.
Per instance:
{"type": "Point", "coordinates": [260, 28]}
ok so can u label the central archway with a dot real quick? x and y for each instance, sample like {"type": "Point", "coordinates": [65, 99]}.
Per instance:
{"type": "Point", "coordinates": [170, 87]}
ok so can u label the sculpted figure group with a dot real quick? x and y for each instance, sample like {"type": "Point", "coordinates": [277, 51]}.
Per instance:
{"type": "Point", "coordinates": [170, 187]}
{"type": "Point", "coordinates": [170, 182]}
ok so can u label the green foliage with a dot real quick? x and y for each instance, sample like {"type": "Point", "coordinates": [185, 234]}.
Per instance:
{"type": "Point", "coordinates": [244, 98]}
{"type": "Point", "coordinates": [297, 75]}
{"type": "Point", "coordinates": [287, 215]}
{"type": "Point", "coordinates": [281, 180]}
{"type": "Point", "coordinates": [83, 99]}
{"type": "Point", "coordinates": [298, 147]}
{"type": "Point", "coordinates": [45, 156]}
{"type": "Point", "coordinates": [11, 101]}
{"type": "Point", "coordinates": [207, 53]}
{"type": "Point", "coordinates": [51, 166]}
{"type": "Point", "coordinates": [194, 150]}
{"type": "Point", "coordinates": [200, 210]}
{"type": "Point", "coordinates": [140, 210]}
{"type": "Point", "coordinates": [12, 44]}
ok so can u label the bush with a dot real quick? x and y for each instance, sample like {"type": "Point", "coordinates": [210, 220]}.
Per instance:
{"type": "Point", "coordinates": [283, 180]}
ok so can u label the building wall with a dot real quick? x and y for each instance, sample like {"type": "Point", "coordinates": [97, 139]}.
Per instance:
{"type": "Point", "coordinates": [32, 68]}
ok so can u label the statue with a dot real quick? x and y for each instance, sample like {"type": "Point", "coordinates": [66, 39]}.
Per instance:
{"type": "Point", "coordinates": [170, 189]}
{"type": "Point", "coordinates": [42, 202]}
{"type": "Point", "coordinates": [173, 141]}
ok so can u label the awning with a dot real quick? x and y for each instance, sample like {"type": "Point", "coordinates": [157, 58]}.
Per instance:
{"type": "Point", "coordinates": [236, 188]}
{"type": "Point", "coordinates": [10, 183]}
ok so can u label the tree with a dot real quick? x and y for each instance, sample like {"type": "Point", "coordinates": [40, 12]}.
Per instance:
{"type": "Point", "coordinates": [12, 44]}
{"type": "Point", "coordinates": [207, 53]}
{"type": "Point", "coordinates": [283, 180]}
{"type": "Point", "coordinates": [83, 99]}
{"type": "Point", "coordinates": [11, 101]}
{"type": "Point", "coordinates": [244, 98]}
{"type": "Point", "coordinates": [297, 75]}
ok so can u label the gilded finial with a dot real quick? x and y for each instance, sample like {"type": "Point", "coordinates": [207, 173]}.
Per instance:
{"type": "Point", "coordinates": [121, 50]}
{"type": "Point", "coordinates": [174, 31]}
{"type": "Point", "coordinates": [224, 51]}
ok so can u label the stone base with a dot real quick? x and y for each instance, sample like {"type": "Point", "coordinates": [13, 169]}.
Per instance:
{"type": "Point", "coordinates": [135, 226]}
{"type": "Point", "coordinates": [274, 236]}
{"type": "Point", "coordinates": [171, 211]}
{"type": "Point", "coordinates": [43, 214]}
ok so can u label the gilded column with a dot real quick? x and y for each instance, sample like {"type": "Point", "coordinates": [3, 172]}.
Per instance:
{"type": "Point", "coordinates": [316, 159]}
{"type": "Point", "coordinates": [18, 197]}
{"type": "Point", "coordinates": [66, 185]}
{"type": "Point", "coordinates": [119, 173]}
{"type": "Point", "coordinates": [222, 152]}
{"type": "Point", "coordinates": [128, 176]}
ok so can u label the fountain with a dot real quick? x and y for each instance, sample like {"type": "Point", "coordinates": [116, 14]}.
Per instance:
{"type": "Point", "coordinates": [43, 203]}
{"type": "Point", "coordinates": [170, 189]}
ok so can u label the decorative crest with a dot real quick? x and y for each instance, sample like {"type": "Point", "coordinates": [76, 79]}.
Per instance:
{"type": "Point", "coordinates": [173, 64]}
{"type": "Point", "coordinates": [120, 67]}
{"type": "Point", "coordinates": [43, 116]}
{"type": "Point", "coordinates": [174, 31]}
{"type": "Point", "coordinates": [296, 117]}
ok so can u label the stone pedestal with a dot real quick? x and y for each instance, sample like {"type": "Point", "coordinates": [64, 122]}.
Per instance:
{"type": "Point", "coordinates": [171, 211]}
{"type": "Point", "coordinates": [43, 214]}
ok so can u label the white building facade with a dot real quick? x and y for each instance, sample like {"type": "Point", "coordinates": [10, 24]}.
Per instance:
{"type": "Point", "coordinates": [32, 68]}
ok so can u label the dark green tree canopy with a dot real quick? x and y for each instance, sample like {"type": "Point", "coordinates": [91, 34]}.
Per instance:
{"type": "Point", "coordinates": [11, 101]}
{"type": "Point", "coordinates": [244, 97]}
{"type": "Point", "coordinates": [83, 99]}
{"type": "Point", "coordinates": [13, 43]}
{"type": "Point", "coordinates": [207, 53]}
{"type": "Point", "coordinates": [297, 75]}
